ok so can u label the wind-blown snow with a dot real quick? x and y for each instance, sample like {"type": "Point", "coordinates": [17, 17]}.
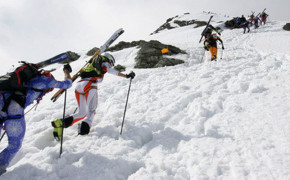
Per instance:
{"type": "Point", "coordinates": [200, 120]}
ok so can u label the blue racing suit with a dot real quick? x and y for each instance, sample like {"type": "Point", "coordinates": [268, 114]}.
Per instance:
{"type": "Point", "coordinates": [13, 119]}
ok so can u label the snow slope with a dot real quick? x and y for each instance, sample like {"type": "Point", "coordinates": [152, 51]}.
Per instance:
{"type": "Point", "coordinates": [199, 120]}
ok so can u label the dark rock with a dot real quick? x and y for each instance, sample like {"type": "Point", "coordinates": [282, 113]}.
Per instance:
{"type": "Point", "coordinates": [122, 45]}
{"type": "Point", "coordinates": [149, 54]}
{"type": "Point", "coordinates": [120, 68]}
{"type": "Point", "coordinates": [163, 62]}
{"type": "Point", "coordinates": [72, 56]}
{"type": "Point", "coordinates": [232, 24]}
{"type": "Point", "coordinates": [173, 20]}
{"type": "Point", "coordinates": [92, 51]}
{"type": "Point", "coordinates": [287, 27]}
{"type": "Point", "coordinates": [200, 23]}
{"type": "Point", "coordinates": [187, 23]}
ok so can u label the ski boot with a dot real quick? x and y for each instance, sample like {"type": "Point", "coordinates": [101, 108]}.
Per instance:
{"type": "Point", "coordinates": [57, 131]}
{"type": "Point", "coordinates": [83, 128]}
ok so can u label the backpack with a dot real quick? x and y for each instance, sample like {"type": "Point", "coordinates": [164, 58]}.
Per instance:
{"type": "Point", "coordinates": [94, 69]}
{"type": "Point", "coordinates": [15, 80]}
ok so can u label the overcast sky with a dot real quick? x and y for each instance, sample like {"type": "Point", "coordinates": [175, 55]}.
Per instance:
{"type": "Point", "coordinates": [35, 30]}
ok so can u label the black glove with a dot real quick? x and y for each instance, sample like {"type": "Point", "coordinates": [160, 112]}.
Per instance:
{"type": "Point", "coordinates": [67, 67]}
{"type": "Point", "coordinates": [223, 47]}
{"type": "Point", "coordinates": [130, 75]}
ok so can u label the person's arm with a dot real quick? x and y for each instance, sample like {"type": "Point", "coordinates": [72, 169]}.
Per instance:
{"type": "Point", "coordinates": [113, 71]}
{"type": "Point", "coordinates": [122, 75]}
{"type": "Point", "coordinates": [222, 43]}
{"type": "Point", "coordinates": [130, 75]}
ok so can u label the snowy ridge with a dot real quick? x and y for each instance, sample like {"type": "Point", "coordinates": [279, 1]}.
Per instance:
{"type": "Point", "coordinates": [199, 120]}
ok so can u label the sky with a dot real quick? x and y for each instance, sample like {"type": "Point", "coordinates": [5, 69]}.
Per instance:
{"type": "Point", "coordinates": [225, 120]}
{"type": "Point", "coordinates": [35, 30]}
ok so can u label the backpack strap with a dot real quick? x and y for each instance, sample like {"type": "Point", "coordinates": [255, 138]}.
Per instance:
{"type": "Point", "coordinates": [20, 98]}
{"type": "Point", "coordinates": [17, 96]}
{"type": "Point", "coordinates": [18, 116]}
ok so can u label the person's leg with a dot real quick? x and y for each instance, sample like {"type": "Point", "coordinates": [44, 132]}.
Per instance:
{"type": "Point", "coordinates": [213, 51]}
{"type": "Point", "coordinates": [92, 106]}
{"type": "Point", "coordinates": [82, 107]}
{"type": "Point", "coordinates": [15, 130]}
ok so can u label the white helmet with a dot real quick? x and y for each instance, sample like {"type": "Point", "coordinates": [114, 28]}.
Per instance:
{"type": "Point", "coordinates": [110, 57]}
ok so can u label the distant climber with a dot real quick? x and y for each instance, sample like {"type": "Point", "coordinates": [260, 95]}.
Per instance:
{"type": "Point", "coordinates": [245, 26]}
{"type": "Point", "coordinates": [210, 43]}
{"type": "Point", "coordinates": [263, 17]}
{"type": "Point", "coordinates": [256, 22]}
{"type": "Point", "coordinates": [251, 19]}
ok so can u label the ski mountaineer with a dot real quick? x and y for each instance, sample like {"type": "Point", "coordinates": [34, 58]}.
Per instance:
{"type": "Point", "coordinates": [245, 26]}
{"type": "Point", "coordinates": [13, 116]}
{"type": "Point", "coordinates": [86, 93]}
{"type": "Point", "coordinates": [256, 22]}
{"type": "Point", "coordinates": [251, 19]}
{"type": "Point", "coordinates": [210, 44]}
{"type": "Point", "coordinates": [263, 17]}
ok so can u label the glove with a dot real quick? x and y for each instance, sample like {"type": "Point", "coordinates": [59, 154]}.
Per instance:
{"type": "Point", "coordinates": [130, 75]}
{"type": "Point", "coordinates": [223, 47]}
{"type": "Point", "coordinates": [67, 67]}
{"type": "Point", "coordinates": [219, 33]}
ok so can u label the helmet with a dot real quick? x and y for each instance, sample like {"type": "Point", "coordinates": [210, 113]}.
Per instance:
{"type": "Point", "coordinates": [110, 57]}
{"type": "Point", "coordinates": [47, 74]}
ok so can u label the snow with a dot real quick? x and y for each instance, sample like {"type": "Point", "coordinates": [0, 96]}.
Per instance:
{"type": "Point", "coordinates": [199, 120]}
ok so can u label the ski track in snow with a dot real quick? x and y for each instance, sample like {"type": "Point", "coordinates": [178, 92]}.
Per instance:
{"type": "Point", "coordinates": [199, 120]}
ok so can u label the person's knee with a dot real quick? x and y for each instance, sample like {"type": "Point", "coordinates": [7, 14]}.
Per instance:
{"type": "Point", "coordinates": [14, 145]}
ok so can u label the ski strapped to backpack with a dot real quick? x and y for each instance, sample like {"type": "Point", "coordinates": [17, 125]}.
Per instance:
{"type": "Point", "coordinates": [101, 50]}
{"type": "Point", "coordinates": [202, 34]}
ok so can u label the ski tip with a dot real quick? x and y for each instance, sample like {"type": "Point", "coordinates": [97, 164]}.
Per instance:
{"type": "Point", "coordinates": [120, 30]}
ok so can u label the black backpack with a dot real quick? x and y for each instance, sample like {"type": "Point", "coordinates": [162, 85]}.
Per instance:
{"type": "Point", "coordinates": [15, 80]}
{"type": "Point", "coordinates": [94, 69]}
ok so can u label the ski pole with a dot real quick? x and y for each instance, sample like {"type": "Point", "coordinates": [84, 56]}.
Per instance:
{"type": "Point", "coordinates": [222, 54]}
{"type": "Point", "coordinates": [61, 140]}
{"type": "Point", "coordinates": [126, 106]}
{"type": "Point", "coordinates": [202, 56]}
{"type": "Point", "coordinates": [2, 135]}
